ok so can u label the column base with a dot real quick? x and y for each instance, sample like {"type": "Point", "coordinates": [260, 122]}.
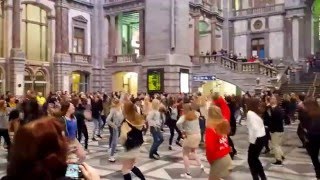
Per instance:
{"type": "Point", "coordinates": [16, 67]}
{"type": "Point", "coordinates": [61, 75]}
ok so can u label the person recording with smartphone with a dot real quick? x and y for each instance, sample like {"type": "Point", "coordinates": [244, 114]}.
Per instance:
{"type": "Point", "coordinates": [40, 152]}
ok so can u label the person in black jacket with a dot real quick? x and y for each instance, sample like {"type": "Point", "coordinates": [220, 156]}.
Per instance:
{"type": "Point", "coordinates": [266, 116]}
{"type": "Point", "coordinates": [81, 124]}
{"type": "Point", "coordinates": [233, 124]}
{"type": "Point", "coordinates": [96, 109]}
{"type": "Point", "coordinates": [276, 129]}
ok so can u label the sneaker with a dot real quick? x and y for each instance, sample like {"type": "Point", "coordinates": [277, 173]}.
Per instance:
{"type": "Point", "coordinates": [112, 159]}
{"type": "Point", "coordinates": [202, 167]}
{"type": "Point", "coordinates": [154, 157]}
{"type": "Point", "coordinates": [186, 175]}
{"type": "Point", "coordinates": [178, 143]}
{"type": "Point", "coordinates": [277, 163]}
{"type": "Point", "coordinates": [170, 148]}
{"type": "Point", "coordinates": [157, 155]}
{"type": "Point", "coordinates": [94, 139]}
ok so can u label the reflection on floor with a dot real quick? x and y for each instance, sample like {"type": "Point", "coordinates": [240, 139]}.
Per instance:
{"type": "Point", "coordinates": [297, 165]}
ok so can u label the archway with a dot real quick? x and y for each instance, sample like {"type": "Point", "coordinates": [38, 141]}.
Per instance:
{"type": "Point", "coordinates": [80, 81]}
{"type": "Point", "coordinates": [28, 80]}
{"type": "Point", "coordinates": [40, 84]}
{"type": "Point", "coordinates": [125, 82]}
{"type": "Point", "coordinates": [220, 86]}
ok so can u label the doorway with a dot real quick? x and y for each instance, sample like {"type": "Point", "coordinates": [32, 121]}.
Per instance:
{"type": "Point", "coordinates": [125, 82]}
{"type": "Point", "coordinates": [257, 48]}
{"type": "Point", "coordinates": [80, 82]}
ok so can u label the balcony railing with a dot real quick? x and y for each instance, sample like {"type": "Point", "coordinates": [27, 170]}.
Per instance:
{"type": "Point", "coordinates": [108, 2]}
{"type": "Point", "coordinates": [260, 10]}
{"type": "Point", "coordinates": [129, 58]}
{"type": "Point", "coordinates": [241, 67]}
{"type": "Point", "coordinates": [80, 58]}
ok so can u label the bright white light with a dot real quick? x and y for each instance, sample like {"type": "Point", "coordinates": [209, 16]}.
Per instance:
{"type": "Point", "coordinates": [184, 82]}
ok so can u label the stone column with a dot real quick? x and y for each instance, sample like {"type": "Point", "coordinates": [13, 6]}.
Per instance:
{"type": "Point", "coordinates": [16, 41]}
{"type": "Point", "coordinates": [141, 33]}
{"type": "Point", "coordinates": [213, 34]}
{"type": "Point", "coordinates": [288, 38]}
{"type": "Point", "coordinates": [295, 39]}
{"type": "Point", "coordinates": [112, 35]}
{"type": "Point", "coordinates": [17, 56]}
{"type": "Point", "coordinates": [302, 38]}
{"type": "Point", "coordinates": [196, 35]}
{"type": "Point", "coordinates": [61, 72]}
{"type": "Point", "coordinates": [62, 28]}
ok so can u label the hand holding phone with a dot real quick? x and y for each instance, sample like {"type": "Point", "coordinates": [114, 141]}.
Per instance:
{"type": "Point", "coordinates": [73, 171]}
{"type": "Point", "coordinates": [88, 172]}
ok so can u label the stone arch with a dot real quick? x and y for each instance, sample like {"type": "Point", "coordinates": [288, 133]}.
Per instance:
{"type": "Point", "coordinates": [45, 72]}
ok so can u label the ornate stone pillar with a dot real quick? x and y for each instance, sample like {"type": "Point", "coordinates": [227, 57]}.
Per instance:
{"type": "Point", "coordinates": [295, 39]}
{"type": "Point", "coordinates": [288, 38]}
{"type": "Point", "coordinates": [141, 33]}
{"type": "Point", "coordinates": [61, 72]}
{"type": "Point", "coordinates": [196, 35]}
{"type": "Point", "coordinates": [62, 30]}
{"type": "Point", "coordinates": [16, 41]}
{"type": "Point", "coordinates": [213, 34]}
{"type": "Point", "coordinates": [16, 63]}
{"type": "Point", "coordinates": [302, 38]}
{"type": "Point", "coordinates": [112, 35]}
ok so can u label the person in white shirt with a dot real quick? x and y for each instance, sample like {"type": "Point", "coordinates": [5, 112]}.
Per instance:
{"type": "Point", "coordinates": [257, 136]}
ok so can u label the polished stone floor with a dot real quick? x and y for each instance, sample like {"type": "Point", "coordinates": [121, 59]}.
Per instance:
{"type": "Point", "coordinates": [297, 165]}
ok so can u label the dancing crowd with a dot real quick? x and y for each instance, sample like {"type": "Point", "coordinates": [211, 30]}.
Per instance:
{"type": "Point", "coordinates": [44, 135]}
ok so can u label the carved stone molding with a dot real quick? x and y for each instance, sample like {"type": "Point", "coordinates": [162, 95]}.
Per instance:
{"type": "Point", "coordinates": [79, 4]}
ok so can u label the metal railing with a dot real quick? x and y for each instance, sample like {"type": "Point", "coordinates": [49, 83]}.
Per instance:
{"type": "Point", "coordinates": [260, 10]}
{"type": "Point", "coordinates": [80, 58]}
{"type": "Point", "coordinates": [243, 67]}
{"type": "Point", "coordinates": [312, 89]}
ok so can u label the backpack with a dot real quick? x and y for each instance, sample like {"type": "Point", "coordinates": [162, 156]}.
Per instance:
{"type": "Point", "coordinates": [168, 119]}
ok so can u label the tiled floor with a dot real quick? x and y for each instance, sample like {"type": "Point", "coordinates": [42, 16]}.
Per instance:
{"type": "Point", "coordinates": [296, 167]}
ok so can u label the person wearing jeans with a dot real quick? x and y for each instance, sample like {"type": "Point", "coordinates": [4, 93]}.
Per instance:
{"type": "Point", "coordinates": [96, 108]}
{"type": "Point", "coordinates": [172, 123]}
{"type": "Point", "coordinates": [154, 121]}
{"type": "Point", "coordinates": [114, 120]}
{"type": "Point", "coordinates": [276, 129]}
{"type": "Point", "coordinates": [257, 135]}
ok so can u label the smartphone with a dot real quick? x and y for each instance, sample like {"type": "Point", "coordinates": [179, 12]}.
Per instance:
{"type": "Point", "coordinates": [73, 171]}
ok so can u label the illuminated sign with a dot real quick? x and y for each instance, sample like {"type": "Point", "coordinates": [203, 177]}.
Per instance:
{"type": "Point", "coordinates": [155, 80]}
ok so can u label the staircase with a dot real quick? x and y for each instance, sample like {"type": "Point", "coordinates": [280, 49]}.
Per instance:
{"type": "Point", "coordinates": [243, 75]}
{"type": "Point", "coordinates": [307, 84]}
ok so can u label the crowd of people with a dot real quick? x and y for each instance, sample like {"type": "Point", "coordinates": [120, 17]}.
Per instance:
{"type": "Point", "coordinates": [44, 135]}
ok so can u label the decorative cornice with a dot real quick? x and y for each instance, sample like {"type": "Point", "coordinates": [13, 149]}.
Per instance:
{"type": "Point", "coordinates": [80, 19]}
{"type": "Point", "coordinates": [80, 4]}
{"type": "Point", "coordinates": [124, 7]}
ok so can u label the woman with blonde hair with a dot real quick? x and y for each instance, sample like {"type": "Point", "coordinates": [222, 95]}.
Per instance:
{"type": "Point", "coordinates": [4, 123]}
{"type": "Point", "coordinates": [146, 107]}
{"type": "Point", "coordinates": [217, 147]}
{"type": "Point", "coordinates": [154, 119]}
{"type": "Point", "coordinates": [131, 138]}
{"type": "Point", "coordinates": [188, 123]}
{"type": "Point", "coordinates": [114, 120]}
